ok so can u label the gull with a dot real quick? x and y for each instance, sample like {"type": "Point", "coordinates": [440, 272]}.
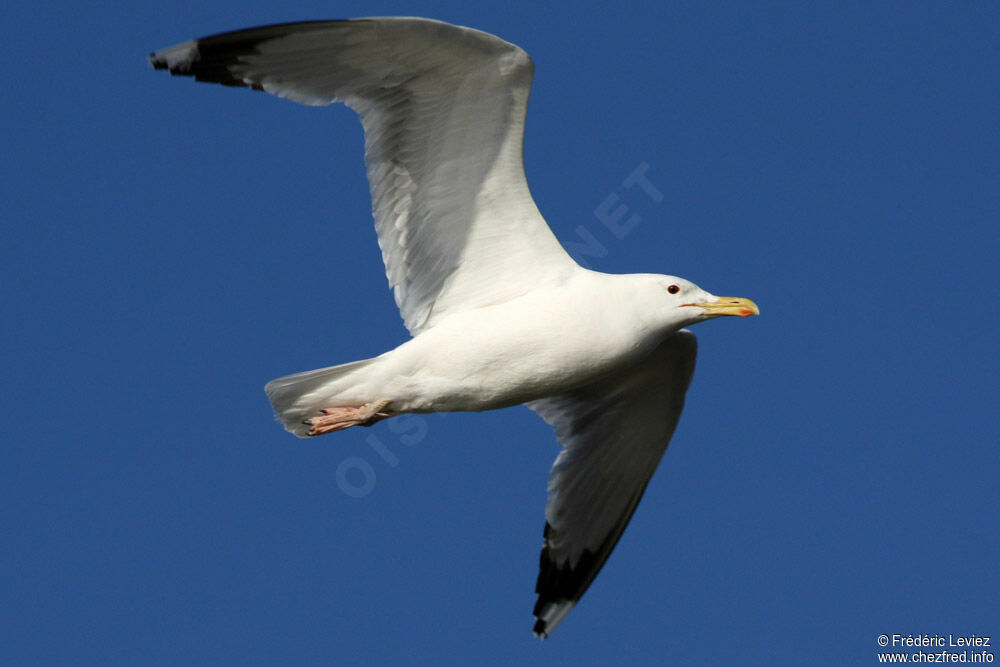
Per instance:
{"type": "Point", "coordinates": [499, 313]}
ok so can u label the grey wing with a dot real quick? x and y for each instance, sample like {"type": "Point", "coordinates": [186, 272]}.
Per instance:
{"type": "Point", "coordinates": [443, 111]}
{"type": "Point", "coordinates": [614, 433]}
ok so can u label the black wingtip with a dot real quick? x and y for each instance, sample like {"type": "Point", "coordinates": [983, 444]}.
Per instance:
{"type": "Point", "coordinates": [559, 582]}
{"type": "Point", "coordinates": [157, 63]}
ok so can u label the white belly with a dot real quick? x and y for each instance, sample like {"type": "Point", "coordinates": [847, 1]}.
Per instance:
{"type": "Point", "coordinates": [536, 346]}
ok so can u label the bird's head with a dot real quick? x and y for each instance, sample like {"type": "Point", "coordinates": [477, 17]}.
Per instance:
{"type": "Point", "coordinates": [683, 303]}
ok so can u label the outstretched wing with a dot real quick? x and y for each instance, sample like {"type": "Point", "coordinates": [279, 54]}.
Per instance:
{"type": "Point", "coordinates": [614, 433]}
{"type": "Point", "coordinates": [443, 111]}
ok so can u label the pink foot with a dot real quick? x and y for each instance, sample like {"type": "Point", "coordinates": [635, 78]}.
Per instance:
{"type": "Point", "coordinates": [337, 419]}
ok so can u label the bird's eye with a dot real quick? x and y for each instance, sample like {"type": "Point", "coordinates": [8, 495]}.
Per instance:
{"type": "Point", "coordinates": [674, 289]}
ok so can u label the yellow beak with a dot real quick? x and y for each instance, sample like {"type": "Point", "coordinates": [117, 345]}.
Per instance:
{"type": "Point", "coordinates": [729, 305]}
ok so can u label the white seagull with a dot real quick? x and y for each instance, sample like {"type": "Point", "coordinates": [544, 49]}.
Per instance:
{"type": "Point", "coordinates": [499, 313]}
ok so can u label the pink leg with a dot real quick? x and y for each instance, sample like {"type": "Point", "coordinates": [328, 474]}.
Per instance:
{"type": "Point", "coordinates": [337, 419]}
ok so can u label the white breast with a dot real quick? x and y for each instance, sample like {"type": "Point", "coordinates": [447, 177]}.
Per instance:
{"type": "Point", "coordinates": [543, 343]}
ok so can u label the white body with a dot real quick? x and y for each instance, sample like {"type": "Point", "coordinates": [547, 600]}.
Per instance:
{"type": "Point", "coordinates": [545, 342]}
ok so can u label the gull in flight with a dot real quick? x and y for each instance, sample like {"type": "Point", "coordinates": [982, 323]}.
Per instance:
{"type": "Point", "coordinates": [499, 313]}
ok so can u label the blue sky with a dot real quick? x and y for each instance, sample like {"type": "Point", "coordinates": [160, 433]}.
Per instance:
{"type": "Point", "coordinates": [171, 246]}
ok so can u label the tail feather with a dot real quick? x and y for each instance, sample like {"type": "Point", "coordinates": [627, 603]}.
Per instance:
{"type": "Point", "coordinates": [295, 398]}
